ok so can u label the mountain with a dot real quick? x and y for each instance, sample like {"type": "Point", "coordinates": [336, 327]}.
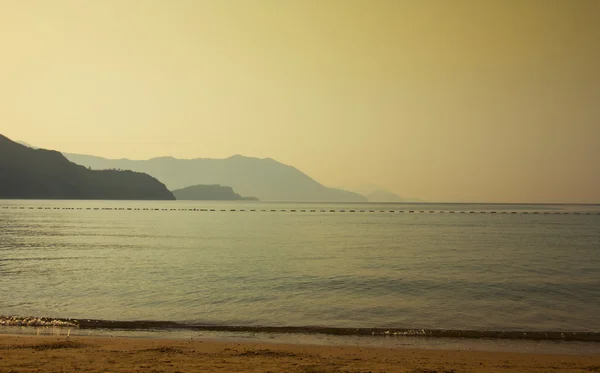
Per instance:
{"type": "Point", "coordinates": [209, 192]}
{"type": "Point", "coordinates": [26, 144]}
{"type": "Point", "coordinates": [375, 193]}
{"type": "Point", "coordinates": [265, 179]}
{"type": "Point", "coordinates": [381, 195]}
{"type": "Point", "coordinates": [46, 174]}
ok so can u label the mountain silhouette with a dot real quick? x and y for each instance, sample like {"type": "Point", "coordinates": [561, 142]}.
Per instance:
{"type": "Point", "coordinates": [26, 144]}
{"type": "Point", "coordinates": [381, 195]}
{"type": "Point", "coordinates": [209, 192]}
{"type": "Point", "coordinates": [27, 173]}
{"type": "Point", "coordinates": [265, 179]}
{"type": "Point", "coordinates": [378, 194]}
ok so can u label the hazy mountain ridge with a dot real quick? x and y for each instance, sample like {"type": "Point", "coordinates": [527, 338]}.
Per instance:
{"type": "Point", "coordinates": [265, 179]}
{"type": "Point", "coordinates": [379, 194]}
{"type": "Point", "coordinates": [26, 172]}
{"type": "Point", "coordinates": [210, 193]}
{"type": "Point", "coordinates": [26, 144]}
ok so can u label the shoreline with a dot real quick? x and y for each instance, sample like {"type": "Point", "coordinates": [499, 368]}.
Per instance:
{"type": "Point", "coordinates": [325, 340]}
{"type": "Point", "coordinates": [145, 325]}
{"type": "Point", "coordinates": [25, 353]}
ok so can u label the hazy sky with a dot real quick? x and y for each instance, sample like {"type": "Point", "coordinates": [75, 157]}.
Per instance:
{"type": "Point", "coordinates": [444, 100]}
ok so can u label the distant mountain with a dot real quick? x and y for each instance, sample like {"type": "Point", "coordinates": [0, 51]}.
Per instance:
{"type": "Point", "coordinates": [376, 193]}
{"type": "Point", "coordinates": [209, 192]}
{"type": "Point", "coordinates": [381, 195]}
{"type": "Point", "coordinates": [384, 196]}
{"type": "Point", "coordinates": [27, 173]}
{"type": "Point", "coordinates": [26, 144]}
{"type": "Point", "coordinates": [265, 179]}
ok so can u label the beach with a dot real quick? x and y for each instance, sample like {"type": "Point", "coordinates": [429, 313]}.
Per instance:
{"type": "Point", "coordinates": [25, 353]}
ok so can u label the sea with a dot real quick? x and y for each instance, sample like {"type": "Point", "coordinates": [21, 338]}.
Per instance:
{"type": "Point", "coordinates": [513, 277]}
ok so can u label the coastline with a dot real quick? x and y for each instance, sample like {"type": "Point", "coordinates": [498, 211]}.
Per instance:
{"type": "Point", "coordinates": [140, 325]}
{"type": "Point", "coordinates": [559, 343]}
{"type": "Point", "coordinates": [27, 353]}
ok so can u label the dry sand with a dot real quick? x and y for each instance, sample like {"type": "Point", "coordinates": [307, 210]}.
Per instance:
{"type": "Point", "coordinates": [23, 353]}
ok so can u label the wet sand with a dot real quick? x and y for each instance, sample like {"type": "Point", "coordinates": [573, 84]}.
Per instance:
{"type": "Point", "coordinates": [23, 353]}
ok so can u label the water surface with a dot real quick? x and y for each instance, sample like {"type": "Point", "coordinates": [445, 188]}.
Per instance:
{"type": "Point", "coordinates": [422, 266]}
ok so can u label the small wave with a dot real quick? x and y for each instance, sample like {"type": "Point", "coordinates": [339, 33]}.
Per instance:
{"type": "Point", "coordinates": [375, 332]}
{"type": "Point", "coordinates": [36, 321]}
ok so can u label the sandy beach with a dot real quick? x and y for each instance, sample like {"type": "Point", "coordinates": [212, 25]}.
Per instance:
{"type": "Point", "coordinates": [22, 353]}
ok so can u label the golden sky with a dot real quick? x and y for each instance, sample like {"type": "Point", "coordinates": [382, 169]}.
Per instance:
{"type": "Point", "coordinates": [445, 100]}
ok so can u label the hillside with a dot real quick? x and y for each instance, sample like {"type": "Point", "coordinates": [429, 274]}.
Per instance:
{"type": "Point", "coordinates": [265, 179]}
{"type": "Point", "coordinates": [209, 192]}
{"type": "Point", "coordinates": [381, 195]}
{"type": "Point", "coordinates": [378, 194]}
{"type": "Point", "coordinates": [27, 173]}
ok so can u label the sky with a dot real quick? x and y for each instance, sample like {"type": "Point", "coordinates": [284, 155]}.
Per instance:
{"type": "Point", "coordinates": [457, 101]}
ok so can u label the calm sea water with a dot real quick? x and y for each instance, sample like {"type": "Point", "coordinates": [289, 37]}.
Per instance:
{"type": "Point", "coordinates": [481, 267]}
